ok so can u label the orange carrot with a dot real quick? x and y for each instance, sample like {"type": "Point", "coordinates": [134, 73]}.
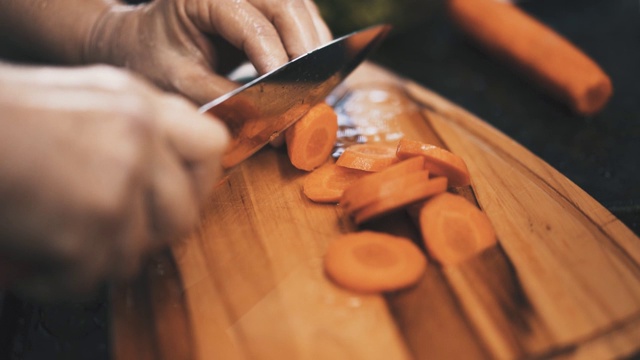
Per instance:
{"type": "Point", "coordinates": [545, 56]}
{"type": "Point", "coordinates": [311, 139]}
{"type": "Point", "coordinates": [327, 183]}
{"type": "Point", "coordinates": [361, 187]}
{"type": "Point", "coordinates": [401, 198]}
{"type": "Point", "coordinates": [371, 262]}
{"type": "Point", "coordinates": [453, 229]}
{"type": "Point", "coordinates": [382, 190]}
{"type": "Point", "coordinates": [368, 157]}
{"type": "Point", "coordinates": [437, 160]}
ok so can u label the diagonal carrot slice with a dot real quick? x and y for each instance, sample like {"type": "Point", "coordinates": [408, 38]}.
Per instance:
{"type": "Point", "coordinates": [453, 229]}
{"type": "Point", "coordinates": [437, 160]}
{"type": "Point", "coordinates": [382, 190]}
{"type": "Point", "coordinates": [402, 198]}
{"type": "Point", "coordinates": [361, 187]}
{"type": "Point", "coordinates": [368, 157]}
{"type": "Point", "coordinates": [371, 262]}
{"type": "Point", "coordinates": [327, 183]}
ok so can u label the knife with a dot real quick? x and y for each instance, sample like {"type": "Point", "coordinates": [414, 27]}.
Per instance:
{"type": "Point", "coordinates": [260, 110]}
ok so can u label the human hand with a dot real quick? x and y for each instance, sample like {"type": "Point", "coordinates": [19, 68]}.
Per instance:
{"type": "Point", "coordinates": [174, 42]}
{"type": "Point", "coordinates": [98, 168]}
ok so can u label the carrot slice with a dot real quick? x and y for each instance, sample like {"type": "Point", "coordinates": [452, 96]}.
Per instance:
{"type": "Point", "coordinates": [402, 197]}
{"type": "Point", "coordinates": [453, 229]}
{"type": "Point", "coordinates": [368, 157]}
{"type": "Point", "coordinates": [311, 139]}
{"type": "Point", "coordinates": [327, 183]}
{"type": "Point", "coordinates": [360, 187]}
{"type": "Point", "coordinates": [371, 262]}
{"type": "Point", "coordinates": [382, 190]}
{"type": "Point", "coordinates": [437, 160]}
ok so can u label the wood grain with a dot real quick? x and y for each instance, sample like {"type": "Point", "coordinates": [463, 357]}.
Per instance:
{"type": "Point", "coordinates": [563, 283]}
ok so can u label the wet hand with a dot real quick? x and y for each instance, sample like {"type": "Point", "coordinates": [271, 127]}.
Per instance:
{"type": "Point", "coordinates": [174, 42]}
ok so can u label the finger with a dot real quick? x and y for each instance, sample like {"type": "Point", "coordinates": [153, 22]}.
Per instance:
{"type": "Point", "coordinates": [200, 84]}
{"type": "Point", "coordinates": [134, 241]}
{"type": "Point", "coordinates": [171, 200]}
{"type": "Point", "coordinates": [246, 28]}
{"type": "Point", "coordinates": [294, 23]}
{"type": "Point", "coordinates": [324, 34]}
{"type": "Point", "coordinates": [198, 140]}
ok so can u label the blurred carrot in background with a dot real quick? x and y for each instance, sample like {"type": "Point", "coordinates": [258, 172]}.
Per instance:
{"type": "Point", "coordinates": [542, 54]}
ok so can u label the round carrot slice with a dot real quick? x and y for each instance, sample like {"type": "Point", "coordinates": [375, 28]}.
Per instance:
{"type": "Point", "coordinates": [327, 183]}
{"type": "Point", "coordinates": [437, 160]}
{"type": "Point", "coordinates": [404, 197]}
{"type": "Point", "coordinates": [372, 262]}
{"type": "Point", "coordinates": [368, 157]}
{"type": "Point", "coordinates": [311, 139]}
{"type": "Point", "coordinates": [453, 229]}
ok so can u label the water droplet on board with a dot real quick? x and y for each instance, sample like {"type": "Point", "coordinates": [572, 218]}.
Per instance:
{"type": "Point", "coordinates": [369, 113]}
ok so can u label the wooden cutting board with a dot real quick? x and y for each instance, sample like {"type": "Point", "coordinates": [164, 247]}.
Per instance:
{"type": "Point", "coordinates": [248, 284]}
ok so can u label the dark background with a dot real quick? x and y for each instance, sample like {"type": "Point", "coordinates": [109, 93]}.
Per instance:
{"type": "Point", "coordinates": [599, 153]}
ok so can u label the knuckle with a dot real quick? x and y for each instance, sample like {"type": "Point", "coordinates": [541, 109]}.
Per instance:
{"type": "Point", "coordinates": [140, 126]}
{"type": "Point", "coordinates": [118, 81]}
{"type": "Point", "coordinates": [263, 29]}
{"type": "Point", "coordinates": [293, 4]}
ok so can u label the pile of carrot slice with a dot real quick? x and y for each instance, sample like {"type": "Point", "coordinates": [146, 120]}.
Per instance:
{"type": "Point", "coordinates": [369, 181]}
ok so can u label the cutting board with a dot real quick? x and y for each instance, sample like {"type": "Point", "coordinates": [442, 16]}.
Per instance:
{"type": "Point", "coordinates": [564, 281]}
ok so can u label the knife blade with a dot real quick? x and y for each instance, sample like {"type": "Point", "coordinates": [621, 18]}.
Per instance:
{"type": "Point", "coordinates": [258, 111]}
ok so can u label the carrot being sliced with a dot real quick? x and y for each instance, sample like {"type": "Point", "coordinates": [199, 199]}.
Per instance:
{"type": "Point", "coordinates": [368, 157]}
{"type": "Point", "coordinates": [401, 198]}
{"type": "Point", "coordinates": [382, 190]}
{"type": "Point", "coordinates": [453, 229]}
{"type": "Point", "coordinates": [310, 140]}
{"type": "Point", "coordinates": [437, 160]}
{"type": "Point", "coordinates": [327, 183]}
{"type": "Point", "coordinates": [360, 187]}
{"type": "Point", "coordinates": [372, 262]}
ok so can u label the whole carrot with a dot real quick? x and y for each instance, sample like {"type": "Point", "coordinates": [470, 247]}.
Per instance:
{"type": "Point", "coordinates": [547, 57]}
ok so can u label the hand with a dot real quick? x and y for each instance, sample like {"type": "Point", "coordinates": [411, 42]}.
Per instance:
{"type": "Point", "coordinates": [98, 168]}
{"type": "Point", "coordinates": [174, 42]}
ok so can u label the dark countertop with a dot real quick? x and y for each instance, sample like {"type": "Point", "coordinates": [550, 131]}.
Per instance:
{"type": "Point", "coordinates": [599, 153]}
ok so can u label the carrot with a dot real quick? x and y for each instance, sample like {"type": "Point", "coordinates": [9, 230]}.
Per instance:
{"type": "Point", "coordinates": [311, 139]}
{"type": "Point", "coordinates": [383, 190]}
{"type": "Point", "coordinates": [360, 188]}
{"type": "Point", "coordinates": [402, 197]}
{"type": "Point", "coordinates": [371, 262]}
{"type": "Point", "coordinates": [327, 183]}
{"type": "Point", "coordinates": [367, 157]}
{"type": "Point", "coordinates": [545, 56]}
{"type": "Point", "coordinates": [453, 229]}
{"type": "Point", "coordinates": [438, 161]}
